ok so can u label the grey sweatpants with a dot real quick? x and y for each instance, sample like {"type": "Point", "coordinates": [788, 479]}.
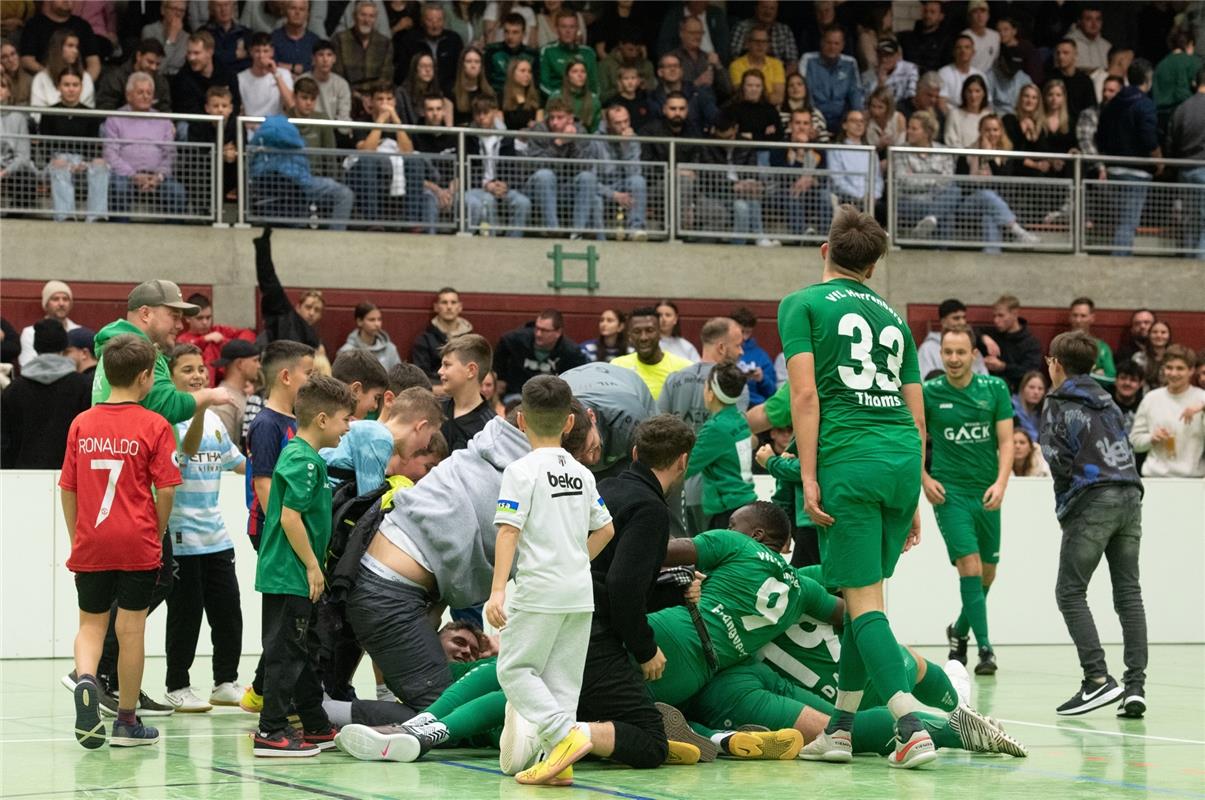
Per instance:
{"type": "Point", "coordinates": [540, 662]}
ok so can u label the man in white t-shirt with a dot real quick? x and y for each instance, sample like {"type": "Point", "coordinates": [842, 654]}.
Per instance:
{"type": "Point", "coordinates": [987, 41]}
{"type": "Point", "coordinates": [546, 506]}
{"type": "Point", "coordinates": [955, 74]}
{"type": "Point", "coordinates": [1169, 425]}
{"type": "Point", "coordinates": [265, 89]}
{"type": "Point", "coordinates": [57, 301]}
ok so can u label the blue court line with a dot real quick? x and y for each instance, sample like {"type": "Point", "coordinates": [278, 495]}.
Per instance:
{"type": "Point", "coordinates": [576, 785]}
{"type": "Point", "coordinates": [1138, 787]}
{"type": "Point", "coordinates": [286, 784]}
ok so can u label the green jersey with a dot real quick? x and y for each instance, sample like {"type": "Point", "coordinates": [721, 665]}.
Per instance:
{"type": "Point", "coordinates": [962, 425]}
{"type": "Point", "coordinates": [863, 354]}
{"type": "Point", "coordinates": [807, 652]}
{"type": "Point", "coordinates": [299, 483]}
{"type": "Point", "coordinates": [723, 455]}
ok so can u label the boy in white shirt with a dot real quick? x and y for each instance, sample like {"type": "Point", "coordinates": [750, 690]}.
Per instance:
{"type": "Point", "coordinates": [551, 501]}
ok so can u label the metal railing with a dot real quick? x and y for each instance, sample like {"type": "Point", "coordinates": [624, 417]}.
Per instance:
{"type": "Point", "coordinates": [628, 187]}
{"type": "Point", "coordinates": [71, 177]}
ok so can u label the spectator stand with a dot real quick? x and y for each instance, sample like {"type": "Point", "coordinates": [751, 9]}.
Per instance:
{"type": "Point", "coordinates": [193, 165]}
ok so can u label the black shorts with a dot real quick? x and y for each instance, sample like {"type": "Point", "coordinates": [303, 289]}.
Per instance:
{"type": "Point", "coordinates": [131, 590]}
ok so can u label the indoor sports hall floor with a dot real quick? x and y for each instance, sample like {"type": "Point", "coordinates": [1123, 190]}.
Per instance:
{"type": "Point", "coordinates": [209, 755]}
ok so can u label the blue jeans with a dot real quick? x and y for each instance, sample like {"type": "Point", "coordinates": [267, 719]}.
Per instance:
{"type": "Point", "coordinates": [62, 185]}
{"type": "Point", "coordinates": [636, 186]}
{"type": "Point", "coordinates": [939, 203]}
{"type": "Point", "coordinates": [811, 206]}
{"type": "Point", "coordinates": [1196, 207]}
{"type": "Point", "coordinates": [746, 218]}
{"type": "Point", "coordinates": [1128, 196]}
{"type": "Point", "coordinates": [329, 192]}
{"type": "Point", "coordinates": [170, 196]}
{"type": "Point", "coordinates": [545, 191]}
{"type": "Point", "coordinates": [482, 207]}
{"type": "Point", "coordinates": [993, 214]}
{"type": "Point", "coordinates": [370, 179]}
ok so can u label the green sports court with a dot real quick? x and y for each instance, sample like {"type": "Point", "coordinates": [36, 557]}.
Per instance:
{"type": "Point", "coordinates": [209, 755]}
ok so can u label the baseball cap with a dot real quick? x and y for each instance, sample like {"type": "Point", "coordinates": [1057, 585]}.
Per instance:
{"type": "Point", "coordinates": [160, 293]}
{"type": "Point", "coordinates": [889, 46]}
{"type": "Point", "coordinates": [81, 338]}
{"type": "Point", "coordinates": [235, 348]}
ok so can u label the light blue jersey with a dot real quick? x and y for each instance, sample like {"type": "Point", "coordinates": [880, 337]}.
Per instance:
{"type": "Point", "coordinates": [196, 522]}
{"type": "Point", "coordinates": [365, 450]}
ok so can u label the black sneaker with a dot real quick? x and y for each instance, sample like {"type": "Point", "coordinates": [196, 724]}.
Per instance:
{"type": "Point", "coordinates": [322, 739]}
{"type": "Point", "coordinates": [89, 730]}
{"type": "Point", "coordinates": [1092, 695]}
{"type": "Point", "coordinates": [987, 663]}
{"type": "Point", "coordinates": [281, 744]}
{"type": "Point", "coordinates": [153, 708]}
{"type": "Point", "coordinates": [125, 735]}
{"type": "Point", "coordinates": [1133, 702]}
{"type": "Point", "coordinates": [958, 646]}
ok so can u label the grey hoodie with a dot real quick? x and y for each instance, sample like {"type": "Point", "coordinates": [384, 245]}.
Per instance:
{"type": "Point", "coordinates": [620, 401]}
{"type": "Point", "coordinates": [449, 515]}
{"type": "Point", "coordinates": [48, 368]}
{"type": "Point", "coordinates": [381, 347]}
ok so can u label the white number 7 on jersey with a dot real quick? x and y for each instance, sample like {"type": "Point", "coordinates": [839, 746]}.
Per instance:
{"type": "Point", "coordinates": [114, 466]}
{"type": "Point", "coordinates": [771, 603]}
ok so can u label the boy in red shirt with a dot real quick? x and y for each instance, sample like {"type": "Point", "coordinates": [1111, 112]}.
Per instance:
{"type": "Point", "coordinates": [116, 452]}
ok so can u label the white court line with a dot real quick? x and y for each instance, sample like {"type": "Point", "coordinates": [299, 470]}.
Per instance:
{"type": "Point", "coordinates": [162, 737]}
{"type": "Point", "coordinates": [1070, 729]}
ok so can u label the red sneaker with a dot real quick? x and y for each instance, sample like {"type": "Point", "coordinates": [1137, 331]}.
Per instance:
{"type": "Point", "coordinates": [322, 739]}
{"type": "Point", "coordinates": [280, 744]}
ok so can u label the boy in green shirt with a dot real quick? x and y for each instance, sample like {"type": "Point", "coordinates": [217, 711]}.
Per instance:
{"type": "Point", "coordinates": [723, 451]}
{"type": "Point", "coordinates": [859, 419]}
{"type": "Point", "coordinates": [970, 420]}
{"type": "Point", "coordinates": [297, 530]}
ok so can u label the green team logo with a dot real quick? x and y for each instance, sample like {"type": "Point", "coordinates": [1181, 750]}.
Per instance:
{"type": "Point", "coordinates": [969, 433]}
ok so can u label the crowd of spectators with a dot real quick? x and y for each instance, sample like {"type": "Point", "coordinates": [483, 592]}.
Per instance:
{"type": "Point", "coordinates": [1158, 384]}
{"type": "Point", "coordinates": [1034, 78]}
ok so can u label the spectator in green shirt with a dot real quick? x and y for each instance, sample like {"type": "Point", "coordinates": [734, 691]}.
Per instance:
{"type": "Point", "coordinates": [555, 58]}
{"type": "Point", "coordinates": [1083, 314]}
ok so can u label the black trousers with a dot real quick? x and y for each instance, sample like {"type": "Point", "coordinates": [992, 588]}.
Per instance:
{"type": "Point", "coordinates": [340, 652]}
{"type": "Point", "coordinates": [614, 690]}
{"type": "Point", "coordinates": [807, 547]}
{"type": "Point", "coordinates": [290, 660]}
{"type": "Point", "coordinates": [106, 668]}
{"type": "Point", "coordinates": [205, 584]}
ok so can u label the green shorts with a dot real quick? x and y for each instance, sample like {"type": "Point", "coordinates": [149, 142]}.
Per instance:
{"type": "Point", "coordinates": [969, 528]}
{"type": "Point", "coordinates": [685, 666]}
{"type": "Point", "coordinates": [870, 697]}
{"type": "Point", "coordinates": [753, 694]}
{"type": "Point", "coordinates": [872, 503]}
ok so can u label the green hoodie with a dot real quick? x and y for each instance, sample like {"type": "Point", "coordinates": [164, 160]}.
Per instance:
{"type": "Point", "coordinates": [164, 398]}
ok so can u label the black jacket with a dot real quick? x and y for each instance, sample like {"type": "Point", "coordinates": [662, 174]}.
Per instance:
{"type": "Point", "coordinates": [447, 54]}
{"type": "Point", "coordinates": [36, 412]}
{"type": "Point", "coordinates": [625, 572]}
{"type": "Point", "coordinates": [459, 430]}
{"type": "Point", "coordinates": [515, 357]}
{"type": "Point", "coordinates": [1127, 126]}
{"type": "Point", "coordinates": [10, 348]}
{"type": "Point", "coordinates": [188, 88]}
{"type": "Point", "coordinates": [281, 320]}
{"type": "Point", "coordinates": [1020, 352]}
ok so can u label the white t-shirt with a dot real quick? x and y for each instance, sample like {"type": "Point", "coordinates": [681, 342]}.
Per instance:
{"type": "Point", "coordinates": [987, 47]}
{"type": "Point", "coordinates": [1162, 409]}
{"type": "Point", "coordinates": [952, 80]}
{"type": "Point", "coordinates": [552, 500]}
{"type": "Point", "coordinates": [261, 96]}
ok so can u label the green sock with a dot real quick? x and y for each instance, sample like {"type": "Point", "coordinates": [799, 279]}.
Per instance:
{"type": "Point", "coordinates": [881, 655]}
{"type": "Point", "coordinates": [963, 626]}
{"type": "Point", "coordinates": [974, 607]}
{"type": "Point", "coordinates": [477, 682]}
{"type": "Point", "coordinates": [935, 689]}
{"type": "Point", "coordinates": [874, 731]}
{"type": "Point", "coordinates": [851, 670]}
{"type": "Point", "coordinates": [476, 716]}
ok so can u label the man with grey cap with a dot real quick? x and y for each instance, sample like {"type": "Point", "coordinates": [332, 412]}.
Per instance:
{"type": "Point", "coordinates": [57, 301]}
{"type": "Point", "coordinates": [155, 310]}
{"type": "Point", "coordinates": [892, 71]}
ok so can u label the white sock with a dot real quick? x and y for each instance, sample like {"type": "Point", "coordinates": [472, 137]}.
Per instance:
{"type": "Point", "coordinates": [902, 703]}
{"type": "Point", "coordinates": [584, 727]}
{"type": "Point", "coordinates": [718, 738]}
{"type": "Point", "coordinates": [339, 711]}
{"type": "Point", "coordinates": [848, 701]}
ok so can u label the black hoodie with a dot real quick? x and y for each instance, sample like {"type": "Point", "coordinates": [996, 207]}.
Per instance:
{"type": "Point", "coordinates": [515, 357]}
{"type": "Point", "coordinates": [1020, 351]}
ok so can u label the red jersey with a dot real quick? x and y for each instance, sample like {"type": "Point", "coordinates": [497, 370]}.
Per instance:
{"type": "Point", "coordinates": [115, 453]}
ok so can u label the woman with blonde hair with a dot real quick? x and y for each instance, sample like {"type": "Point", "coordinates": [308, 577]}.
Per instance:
{"type": "Point", "coordinates": [986, 203]}
{"type": "Point", "coordinates": [885, 126]}
{"type": "Point", "coordinates": [520, 97]}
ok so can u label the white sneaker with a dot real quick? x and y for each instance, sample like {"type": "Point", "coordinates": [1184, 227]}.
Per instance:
{"type": "Point", "coordinates": [765, 242]}
{"type": "Point", "coordinates": [186, 701]}
{"type": "Point", "coordinates": [924, 229]}
{"type": "Point", "coordinates": [386, 743]}
{"type": "Point", "coordinates": [519, 745]}
{"type": "Point", "coordinates": [835, 748]}
{"type": "Point", "coordinates": [1023, 235]}
{"type": "Point", "coordinates": [956, 671]}
{"type": "Point", "coordinates": [226, 694]}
